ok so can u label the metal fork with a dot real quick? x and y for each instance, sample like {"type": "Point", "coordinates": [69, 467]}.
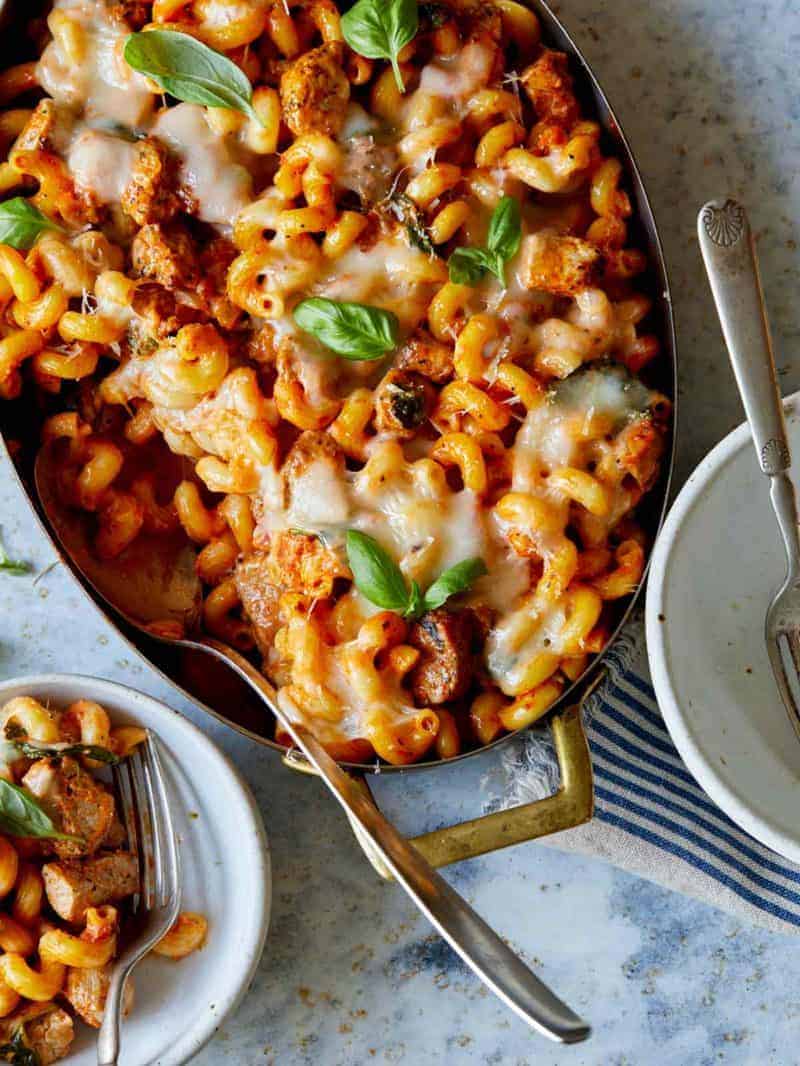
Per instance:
{"type": "Point", "coordinates": [143, 798]}
{"type": "Point", "coordinates": [729, 254]}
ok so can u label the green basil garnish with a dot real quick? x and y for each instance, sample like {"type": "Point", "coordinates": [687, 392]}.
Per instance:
{"type": "Point", "coordinates": [41, 751]}
{"type": "Point", "coordinates": [11, 566]}
{"type": "Point", "coordinates": [189, 70]}
{"type": "Point", "coordinates": [17, 1052]}
{"type": "Point", "coordinates": [406, 211]}
{"type": "Point", "coordinates": [380, 29]}
{"type": "Point", "coordinates": [375, 573]}
{"type": "Point", "coordinates": [21, 815]}
{"type": "Point", "coordinates": [468, 265]}
{"type": "Point", "coordinates": [378, 577]}
{"type": "Point", "coordinates": [456, 579]}
{"type": "Point", "coordinates": [21, 223]}
{"type": "Point", "coordinates": [354, 331]}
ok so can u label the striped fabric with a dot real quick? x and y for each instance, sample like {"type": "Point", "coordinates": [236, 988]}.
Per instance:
{"type": "Point", "coordinates": [651, 816]}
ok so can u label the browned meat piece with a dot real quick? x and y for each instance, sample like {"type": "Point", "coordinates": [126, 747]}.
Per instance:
{"type": "Point", "coordinates": [161, 314]}
{"type": "Point", "coordinates": [259, 598]}
{"type": "Point", "coordinates": [315, 91]}
{"type": "Point", "coordinates": [548, 83]}
{"type": "Point", "coordinates": [310, 448]}
{"type": "Point", "coordinates": [559, 264]}
{"type": "Point", "coordinates": [368, 169]}
{"type": "Point", "coordinates": [300, 562]}
{"type": "Point", "coordinates": [37, 133]}
{"type": "Point", "coordinates": [134, 13]}
{"type": "Point", "coordinates": [167, 254]}
{"type": "Point", "coordinates": [639, 448]}
{"type": "Point", "coordinates": [86, 990]}
{"type": "Point", "coordinates": [151, 194]}
{"type": "Point", "coordinates": [426, 356]}
{"type": "Point", "coordinates": [73, 886]}
{"type": "Point", "coordinates": [215, 258]}
{"type": "Point", "coordinates": [51, 1035]}
{"type": "Point", "coordinates": [78, 803]}
{"type": "Point", "coordinates": [403, 400]}
{"type": "Point", "coordinates": [449, 642]}
{"type": "Point", "coordinates": [115, 837]}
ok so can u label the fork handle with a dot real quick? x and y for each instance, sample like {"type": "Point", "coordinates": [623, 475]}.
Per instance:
{"type": "Point", "coordinates": [728, 249]}
{"type": "Point", "coordinates": [478, 945]}
{"type": "Point", "coordinates": [108, 1042]}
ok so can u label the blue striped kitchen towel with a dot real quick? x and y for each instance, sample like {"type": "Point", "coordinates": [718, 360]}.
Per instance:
{"type": "Point", "coordinates": [651, 816]}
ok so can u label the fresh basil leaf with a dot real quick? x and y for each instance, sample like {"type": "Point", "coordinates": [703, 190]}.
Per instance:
{"type": "Point", "coordinates": [415, 602]}
{"type": "Point", "coordinates": [11, 566]}
{"type": "Point", "coordinates": [505, 229]}
{"type": "Point", "coordinates": [466, 266]}
{"type": "Point", "coordinates": [375, 573]}
{"type": "Point", "coordinates": [406, 211]}
{"type": "Point", "coordinates": [21, 223]}
{"type": "Point", "coordinates": [380, 29]}
{"type": "Point", "coordinates": [17, 1052]}
{"type": "Point", "coordinates": [189, 70]}
{"type": "Point", "coordinates": [456, 579]}
{"type": "Point", "coordinates": [355, 331]}
{"type": "Point", "coordinates": [42, 751]}
{"type": "Point", "coordinates": [21, 815]}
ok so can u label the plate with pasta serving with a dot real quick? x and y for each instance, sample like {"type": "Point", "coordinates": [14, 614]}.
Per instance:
{"type": "Point", "coordinates": [365, 306]}
{"type": "Point", "coordinates": [69, 875]}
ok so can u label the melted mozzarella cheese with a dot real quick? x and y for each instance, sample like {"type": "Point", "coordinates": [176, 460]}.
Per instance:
{"type": "Point", "coordinates": [101, 163]}
{"type": "Point", "coordinates": [548, 440]}
{"type": "Point", "coordinates": [220, 186]}
{"type": "Point", "coordinates": [460, 76]}
{"type": "Point", "coordinates": [391, 275]}
{"type": "Point", "coordinates": [519, 637]}
{"type": "Point", "coordinates": [319, 497]}
{"type": "Point", "coordinates": [100, 82]}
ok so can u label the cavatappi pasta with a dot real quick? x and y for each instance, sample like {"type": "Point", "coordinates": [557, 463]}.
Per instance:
{"type": "Point", "coordinates": [65, 888]}
{"type": "Point", "coordinates": [505, 419]}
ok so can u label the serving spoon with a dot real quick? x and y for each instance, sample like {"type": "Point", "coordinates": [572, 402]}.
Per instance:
{"type": "Point", "coordinates": [155, 579]}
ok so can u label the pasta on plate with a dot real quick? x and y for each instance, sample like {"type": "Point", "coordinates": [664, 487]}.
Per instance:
{"type": "Point", "coordinates": [66, 876]}
{"type": "Point", "coordinates": [354, 310]}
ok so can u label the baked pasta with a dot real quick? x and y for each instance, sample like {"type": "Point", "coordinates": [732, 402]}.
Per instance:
{"type": "Point", "coordinates": [347, 300]}
{"type": "Point", "coordinates": [66, 876]}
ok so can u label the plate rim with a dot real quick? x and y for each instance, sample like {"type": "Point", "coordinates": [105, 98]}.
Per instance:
{"type": "Point", "coordinates": [192, 1041]}
{"type": "Point", "coordinates": [734, 803]}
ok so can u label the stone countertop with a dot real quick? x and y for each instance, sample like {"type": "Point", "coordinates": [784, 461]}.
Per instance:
{"type": "Point", "coordinates": [707, 93]}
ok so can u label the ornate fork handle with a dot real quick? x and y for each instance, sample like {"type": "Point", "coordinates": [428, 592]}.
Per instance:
{"type": "Point", "coordinates": [726, 243]}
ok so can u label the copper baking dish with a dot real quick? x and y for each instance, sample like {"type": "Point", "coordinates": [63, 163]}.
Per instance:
{"type": "Point", "coordinates": [214, 687]}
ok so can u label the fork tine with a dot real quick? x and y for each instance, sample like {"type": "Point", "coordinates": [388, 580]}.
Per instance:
{"type": "Point", "coordinates": [793, 641]}
{"type": "Point", "coordinates": [156, 822]}
{"type": "Point", "coordinates": [122, 783]}
{"type": "Point", "coordinates": [774, 649]}
{"type": "Point", "coordinates": [169, 865]}
{"type": "Point", "coordinates": [791, 659]}
{"type": "Point", "coordinates": [147, 859]}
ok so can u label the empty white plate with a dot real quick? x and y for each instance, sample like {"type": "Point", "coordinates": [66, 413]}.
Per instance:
{"type": "Point", "coordinates": [226, 876]}
{"type": "Point", "coordinates": [716, 565]}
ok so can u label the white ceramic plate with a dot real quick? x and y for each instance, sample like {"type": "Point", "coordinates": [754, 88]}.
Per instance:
{"type": "Point", "coordinates": [226, 876]}
{"type": "Point", "coordinates": [715, 567]}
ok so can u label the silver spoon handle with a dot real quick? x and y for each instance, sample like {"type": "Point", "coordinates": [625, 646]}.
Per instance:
{"type": "Point", "coordinates": [728, 249]}
{"type": "Point", "coordinates": [464, 930]}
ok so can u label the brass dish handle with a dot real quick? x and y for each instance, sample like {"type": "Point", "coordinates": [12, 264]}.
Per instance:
{"type": "Point", "coordinates": [572, 804]}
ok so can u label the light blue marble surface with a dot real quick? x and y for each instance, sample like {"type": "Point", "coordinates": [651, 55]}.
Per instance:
{"type": "Point", "coordinates": [708, 93]}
